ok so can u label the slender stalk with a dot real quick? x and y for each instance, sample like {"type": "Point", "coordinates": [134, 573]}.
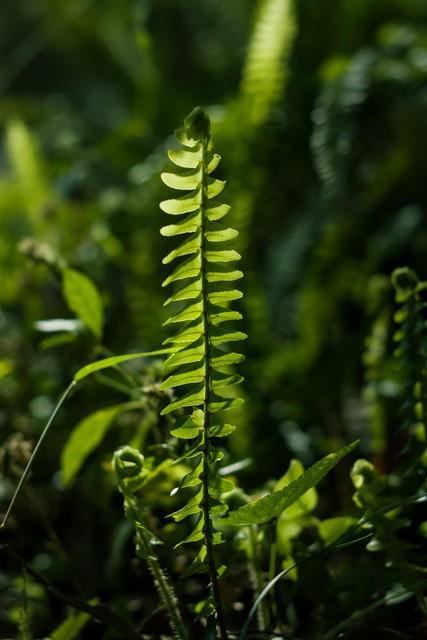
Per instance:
{"type": "Point", "coordinates": [36, 449]}
{"type": "Point", "coordinates": [255, 572]}
{"type": "Point", "coordinates": [207, 530]}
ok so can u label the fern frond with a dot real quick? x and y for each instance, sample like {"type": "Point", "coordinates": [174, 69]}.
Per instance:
{"type": "Point", "coordinates": [203, 290]}
{"type": "Point", "coordinates": [264, 74]}
{"type": "Point", "coordinates": [411, 338]}
{"type": "Point", "coordinates": [27, 166]}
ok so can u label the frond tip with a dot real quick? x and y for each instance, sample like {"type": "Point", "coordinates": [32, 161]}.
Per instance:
{"type": "Point", "coordinates": [203, 288]}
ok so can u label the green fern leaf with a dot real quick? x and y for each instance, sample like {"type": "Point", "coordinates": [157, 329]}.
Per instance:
{"type": "Point", "coordinates": [200, 357]}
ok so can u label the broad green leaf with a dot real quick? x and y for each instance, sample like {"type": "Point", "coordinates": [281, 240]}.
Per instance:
{"type": "Point", "coordinates": [84, 299]}
{"type": "Point", "coordinates": [106, 363]}
{"type": "Point", "coordinates": [186, 204]}
{"type": "Point", "coordinates": [84, 438]}
{"type": "Point", "coordinates": [271, 506]}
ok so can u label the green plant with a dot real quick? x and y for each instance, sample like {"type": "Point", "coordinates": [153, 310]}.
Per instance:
{"type": "Point", "coordinates": [199, 357]}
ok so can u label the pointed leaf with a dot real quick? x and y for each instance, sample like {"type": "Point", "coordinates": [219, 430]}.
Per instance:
{"type": "Point", "coordinates": [180, 379]}
{"type": "Point", "coordinates": [190, 268]}
{"type": "Point", "coordinates": [84, 299]}
{"type": "Point", "coordinates": [189, 292]}
{"type": "Point", "coordinates": [186, 336]}
{"type": "Point", "coordinates": [192, 399]}
{"type": "Point", "coordinates": [190, 224]}
{"type": "Point", "coordinates": [106, 363]}
{"type": "Point", "coordinates": [186, 356]}
{"type": "Point", "coordinates": [198, 565]}
{"type": "Point", "coordinates": [192, 312]}
{"type": "Point", "coordinates": [189, 246]}
{"type": "Point", "coordinates": [271, 506]}
{"type": "Point", "coordinates": [84, 438]}
{"type": "Point", "coordinates": [192, 507]}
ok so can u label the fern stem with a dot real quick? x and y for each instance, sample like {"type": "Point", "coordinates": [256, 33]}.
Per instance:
{"type": "Point", "coordinates": [207, 529]}
{"type": "Point", "coordinates": [164, 589]}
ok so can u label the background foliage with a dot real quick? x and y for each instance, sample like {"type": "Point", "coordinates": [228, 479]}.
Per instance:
{"type": "Point", "coordinates": [320, 114]}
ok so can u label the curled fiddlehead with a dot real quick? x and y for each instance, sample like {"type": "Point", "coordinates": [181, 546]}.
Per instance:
{"type": "Point", "coordinates": [200, 358]}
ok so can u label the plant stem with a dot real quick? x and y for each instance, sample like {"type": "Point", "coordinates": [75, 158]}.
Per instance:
{"type": "Point", "coordinates": [35, 451]}
{"type": "Point", "coordinates": [162, 584]}
{"type": "Point", "coordinates": [262, 613]}
{"type": "Point", "coordinates": [207, 528]}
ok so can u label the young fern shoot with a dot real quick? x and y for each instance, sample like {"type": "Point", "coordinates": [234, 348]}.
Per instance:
{"type": "Point", "coordinates": [200, 357]}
